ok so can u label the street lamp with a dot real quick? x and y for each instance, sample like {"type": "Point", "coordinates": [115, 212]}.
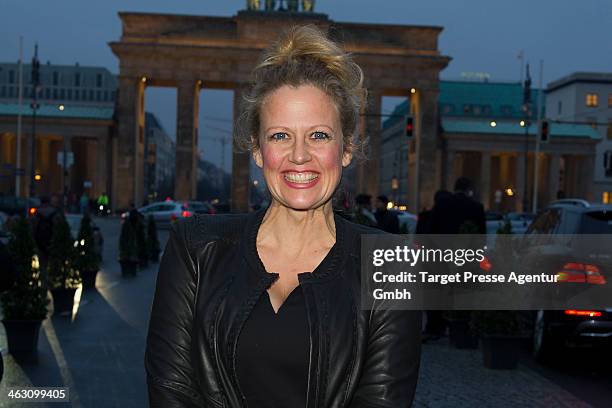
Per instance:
{"type": "Point", "coordinates": [35, 86]}
{"type": "Point", "coordinates": [61, 107]}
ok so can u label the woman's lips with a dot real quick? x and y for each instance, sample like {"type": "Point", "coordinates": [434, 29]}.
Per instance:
{"type": "Point", "coordinates": [299, 180]}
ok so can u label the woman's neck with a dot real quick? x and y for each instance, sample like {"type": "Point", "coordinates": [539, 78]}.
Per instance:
{"type": "Point", "coordinates": [283, 227]}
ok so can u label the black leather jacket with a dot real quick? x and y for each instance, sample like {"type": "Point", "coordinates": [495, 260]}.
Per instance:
{"type": "Point", "coordinates": [210, 278]}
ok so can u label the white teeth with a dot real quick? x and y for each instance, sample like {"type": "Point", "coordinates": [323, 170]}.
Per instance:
{"type": "Point", "coordinates": [300, 177]}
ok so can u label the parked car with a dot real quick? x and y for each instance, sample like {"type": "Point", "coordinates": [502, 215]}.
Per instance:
{"type": "Point", "coordinates": [4, 233]}
{"type": "Point", "coordinates": [12, 205]}
{"type": "Point", "coordinates": [519, 221]}
{"type": "Point", "coordinates": [592, 264]}
{"type": "Point", "coordinates": [407, 221]}
{"type": "Point", "coordinates": [167, 211]}
{"type": "Point", "coordinates": [74, 221]}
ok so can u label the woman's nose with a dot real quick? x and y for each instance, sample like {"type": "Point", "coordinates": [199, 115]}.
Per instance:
{"type": "Point", "coordinates": [299, 152]}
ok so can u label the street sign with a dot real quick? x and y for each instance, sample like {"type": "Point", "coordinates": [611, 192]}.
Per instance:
{"type": "Point", "coordinates": [87, 184]}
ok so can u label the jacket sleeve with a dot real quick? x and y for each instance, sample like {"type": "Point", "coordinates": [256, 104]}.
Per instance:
{"type": "Point", "coordinates": [168, 360]}
{"type": "Point", "coordinates": [391, 367]}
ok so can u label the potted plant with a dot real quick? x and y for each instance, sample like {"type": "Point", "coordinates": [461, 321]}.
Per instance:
{"type": "Point", "coordinates": [64, 277]}
{"type": "Point", "coordinates": [128, 250]}
{"type": "Point", "coordinates": [501, 333]}
{"type": "Point", "coordinates": [141, 243]}
{"type": "Point", "coordinates": [24, 305]}
{"type": "Point", "coordinates": [152, 240]}
{"type": "Point", "coordinates": [87, 260]}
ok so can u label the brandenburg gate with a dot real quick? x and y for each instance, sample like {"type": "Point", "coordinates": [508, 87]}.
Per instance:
{"type": "Point", "coordinates": [196, 52]}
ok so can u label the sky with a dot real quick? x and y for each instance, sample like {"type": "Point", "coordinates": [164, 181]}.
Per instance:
{"type": "Point", "coordinates": [479, 35]}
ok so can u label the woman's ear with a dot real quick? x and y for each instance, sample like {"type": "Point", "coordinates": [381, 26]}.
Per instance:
{"type": "Point", "coordinates": [347, 155]}
{"type": "Point", "coordinates": [256, 152]}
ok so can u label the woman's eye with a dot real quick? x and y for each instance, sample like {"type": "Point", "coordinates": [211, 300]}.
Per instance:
{"type": "Point", "coordinates": [320, 136]}
{"type": "Point", "coordinates": [279, 136]}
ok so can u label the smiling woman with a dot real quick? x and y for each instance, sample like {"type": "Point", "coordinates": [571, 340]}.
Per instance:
{"type": "Point", "coordinates": [263, 309]}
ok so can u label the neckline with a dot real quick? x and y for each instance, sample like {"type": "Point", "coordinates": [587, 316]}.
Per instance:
{"type": "Point", "coordinates": [326, 268]}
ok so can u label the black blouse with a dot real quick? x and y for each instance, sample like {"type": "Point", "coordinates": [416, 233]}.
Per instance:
{"type": "Point", "coordinates": [273, 353]}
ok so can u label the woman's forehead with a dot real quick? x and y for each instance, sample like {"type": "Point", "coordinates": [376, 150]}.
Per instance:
{"type": "Point", "coordinates": [303, 105]}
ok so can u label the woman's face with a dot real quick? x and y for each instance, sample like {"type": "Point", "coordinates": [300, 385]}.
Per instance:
{"type": "Point", "coordinates": [301, 147]}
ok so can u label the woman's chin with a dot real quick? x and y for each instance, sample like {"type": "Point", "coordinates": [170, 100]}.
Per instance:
{"type": "Point", "coordinates": [302, 203]}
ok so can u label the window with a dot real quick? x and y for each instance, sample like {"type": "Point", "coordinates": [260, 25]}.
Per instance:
{"type": "Point", "coordinates": [55, 78]}
{"type": "Point", "coordinates": [11, 77]}
{"type": "Point", "coordinates": [91, 95]}
{"type": "Point", "coordinates": [99, 80]}
{"type": "Point", "coordinates": [606, 197]}
{"type": "Point", "coordinates": [106, 95]}
{"type": "Point", "coordinates": [467, 108]}
{"type": "Point", "coordinates": [55, 94]}
{"type": "Point", "coordinates": [47, 93]}
{"type": "Point", "coordinates": [11, 90]}
{"type": "Point", "coordinates": [559, 107]}
{"type": "Point", "coordinates": [76, 94]}
{"type": "Point", "coordinates": [62, 93]}
{"type": "Point", "coordinates": [83, 94]}
{"type": "Point", "coordinates": [477, 109]}
{"type": "Point", "coordinates": [607, 162]}
{"type": "Point", "coordinates": [506, 110]}
{"type": "Point", "coordinates": [592, 100]}
{"type": "Point", "coordinates": [486, 109]}
{"type": "Point", "coordinates": [3, 91]}
{"type": "Point", "coordinates": [77, 79]}
{"type": "Point", "coordinates": [69, 96]}
{"type": "Point", "coordinates": [98, 96]}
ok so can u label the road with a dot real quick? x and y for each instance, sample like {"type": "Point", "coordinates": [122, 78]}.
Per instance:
{"type": "Point", "coordinates": [99, 355]}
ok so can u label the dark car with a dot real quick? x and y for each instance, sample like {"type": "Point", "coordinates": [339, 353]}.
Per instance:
{"type": "Point", "coordinates": [584, 261]}
{"type": "Point", "coordinates": [12, 205]}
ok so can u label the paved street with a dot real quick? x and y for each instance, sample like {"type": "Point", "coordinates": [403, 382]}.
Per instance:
{"type": "Point", "coordinates": [99, 356]}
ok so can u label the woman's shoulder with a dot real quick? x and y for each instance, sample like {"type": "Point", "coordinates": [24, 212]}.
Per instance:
{"type": "Point", "coordinates": [201, 228]}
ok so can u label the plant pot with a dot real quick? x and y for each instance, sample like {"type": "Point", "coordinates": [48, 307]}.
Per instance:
{"type": "Point", "coordinates": [63, 300]}
{"type": "Point", "coordinates": [500, 352]}
{"type": "Point", "coordinates": [22, 338]}
{"type": "Point", "coordinates": [128, 268]}
{"type": "Point", "coordinates": [461, 335]}
{"type": "Point", "coordinates": [154, 257]}
{"type": "Point", "coordinates": [89, 278]}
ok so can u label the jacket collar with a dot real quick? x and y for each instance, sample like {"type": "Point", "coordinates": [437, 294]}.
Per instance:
{"type": "Point", "coordinates": [327, 269]}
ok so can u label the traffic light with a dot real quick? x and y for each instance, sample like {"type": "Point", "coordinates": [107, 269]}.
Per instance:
{"type": "Point", "coordinates": [544, 132]}
{"type": "Point", "coordinates": [409, 128]}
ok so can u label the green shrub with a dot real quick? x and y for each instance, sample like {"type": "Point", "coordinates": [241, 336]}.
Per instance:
{"type": "Point", "coordinates": [62, 269]}
{"type": "Point", "coordinates": [87, 259]}
{"type": "Point", "coordinates": [27, 299]}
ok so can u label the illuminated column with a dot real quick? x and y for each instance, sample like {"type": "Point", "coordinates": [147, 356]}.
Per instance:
{"type": "Point", "coordinates": [186, 181]}
{"type": "Point", "coordinates": [240, 164]}
{"type": "Point", "coordinates": [485, 179]}
{"type": "Point", "coordinates": [519, 182]}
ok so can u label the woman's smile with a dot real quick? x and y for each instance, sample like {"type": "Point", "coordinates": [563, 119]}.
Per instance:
{"type": "Point", "coordinates": [305, 179]}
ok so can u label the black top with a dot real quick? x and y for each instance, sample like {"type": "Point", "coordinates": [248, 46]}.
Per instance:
{"type": "Point", "coordinates": [273, 353]}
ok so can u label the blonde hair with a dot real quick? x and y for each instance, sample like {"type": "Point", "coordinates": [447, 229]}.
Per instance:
{"type": "Point", "coordinates": [304, 55]}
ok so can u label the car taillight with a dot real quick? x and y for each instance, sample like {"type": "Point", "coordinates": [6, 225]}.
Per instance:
{"type": "Point", "coordinates": [581, 273]}
{"type": "Point", "coordinates": [173, 217]}
{"type": "Point", "coordinates": [32, 211]}
{"type": "Point", "coordinates": [486, 264]}
{"type": "Point", "coordinates": [589, 313]}
{"type": "Point", "coordinates": [186, 213]}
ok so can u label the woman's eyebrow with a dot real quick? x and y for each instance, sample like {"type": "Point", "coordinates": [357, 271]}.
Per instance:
{"type": "Point", "coordinates": [290, 129]}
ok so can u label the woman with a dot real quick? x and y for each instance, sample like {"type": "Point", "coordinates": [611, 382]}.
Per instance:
{"type": "Point", "coordinates": [263, 310]}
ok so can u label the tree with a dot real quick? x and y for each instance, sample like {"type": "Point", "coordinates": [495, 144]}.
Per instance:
{"type": "Point", "coordinates": [87, 259]}
{"type": "Point", "coordinates": [27, 299]}
{"type": "Point", "coordinates": [62, 269]}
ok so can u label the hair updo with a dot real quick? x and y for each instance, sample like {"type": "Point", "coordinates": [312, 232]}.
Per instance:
{"type": "Point", "coordinates": [304, 56]}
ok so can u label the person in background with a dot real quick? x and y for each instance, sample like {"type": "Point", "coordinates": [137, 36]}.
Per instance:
{"type": "Point", "coordinates": [363, 210]}
{"type": "Point", "coordinates": [424, 219]}
{"type": "Point", "coordinates": [43, 223]}
{"type": "Point", "coordinates": [385, 219]}
{"type": "Point", "coordinates": [84, 203]}
{"type": "Point", "coordinates": [460, 213]}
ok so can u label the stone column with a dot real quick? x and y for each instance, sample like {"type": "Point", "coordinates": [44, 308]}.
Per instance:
{"type": "Point", "coordinates": [101, 173]}
{"type": "Point", "coordinates": [554, 166]}
{"type": "Point", "coordinates": [370, 175]}
{"type": "Point", "coordinates": [128, 181]}
{"type": "Point", "coordinates": [519, 182]}
{"type": "Point", "coordinates": [425, 112]}
{"type": "Point", "coordinates": [186, 180]}
{"type": "Point", "coordinates": [241, 162]}
{"type": "Point", "coordinates": [485, 179]}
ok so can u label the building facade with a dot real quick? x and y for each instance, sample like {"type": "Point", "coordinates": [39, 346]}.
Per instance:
{"type": "Point", "coordinates": [160, 162]}
{"type": "Point", "coordinates": [60, 84]}
{"type": "Point", "coordinates": [586, 98]}
{"type": "Point", "coordinates": [484, 134]}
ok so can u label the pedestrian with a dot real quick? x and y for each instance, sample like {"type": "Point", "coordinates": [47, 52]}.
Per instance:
{"type": "Point", "coordinates": [84, 203]}
{"type": "Point", "coordinates": [385, 219]}
{"type": "Point", "coordinates": [43, 223]}
{"type": "Point", "coordinates": [461, 213]}
{"type": "Point", "coordinates": [363, 211]}
{"type": "Point", "coordinates": [262, 309]}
